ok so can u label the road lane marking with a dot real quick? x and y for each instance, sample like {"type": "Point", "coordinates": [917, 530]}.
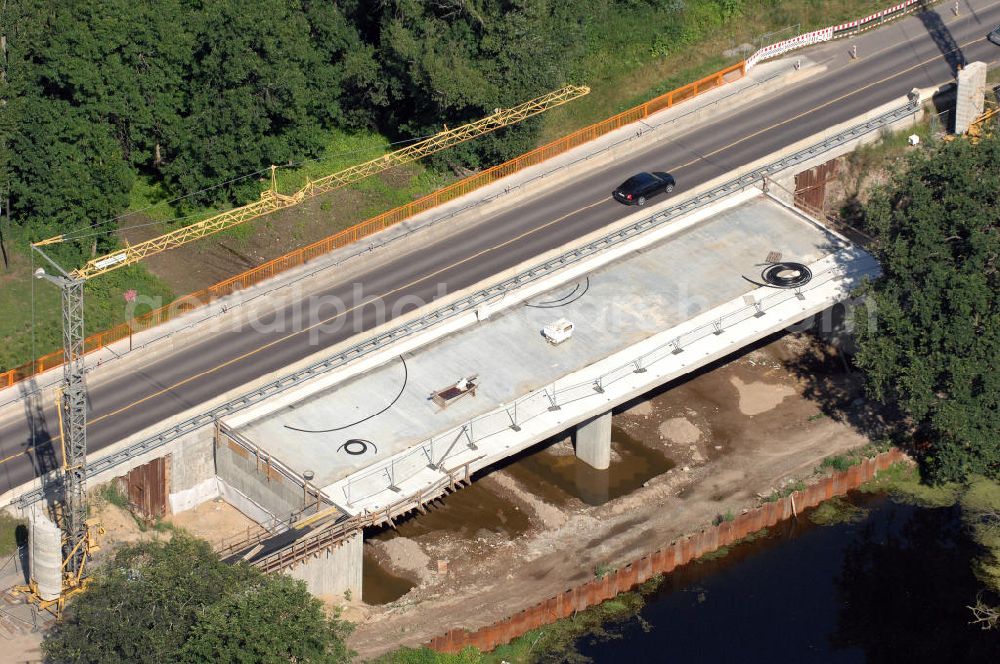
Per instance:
{"type": "Point", "coordinates": [347, 311]}
{"type": "Point", "coordinates": [13, 456]}
{"type": "Point", "coordinates": [821, 106]}
{"type": "Point", "coordinates": [500, 245]}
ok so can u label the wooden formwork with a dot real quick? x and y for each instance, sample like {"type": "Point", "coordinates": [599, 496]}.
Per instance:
{"type": "Point", "coordinates": [810, 185]}
{"type": "Point", "coordinates": [332, 533]}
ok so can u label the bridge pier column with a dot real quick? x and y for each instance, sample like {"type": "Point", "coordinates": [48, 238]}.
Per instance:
{"type": "Point", "coordinates": [334, 572]}
{"type": "Point", "coordinates": [970, 96]}
{"type": "Point", "coordinates": [593, 441]}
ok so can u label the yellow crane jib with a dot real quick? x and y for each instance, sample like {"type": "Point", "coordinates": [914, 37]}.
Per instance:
{"type": "Point", "coordinates": [271, 200]}
{"type": "Point", "coordinates": [445, 139]}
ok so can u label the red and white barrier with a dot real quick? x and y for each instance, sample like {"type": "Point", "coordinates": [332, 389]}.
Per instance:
{"type": "Point", "coordinates": [774, 50]}
{"type": "Point", "coordinates": [826, 34]}
{"type": "Point", "coordinates": [876, 16]}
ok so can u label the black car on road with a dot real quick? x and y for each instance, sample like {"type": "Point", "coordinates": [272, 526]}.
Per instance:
{"type": "Point", "coordinates": [994, 35]}
{"type": "Point", "coordinates": [643, 186]}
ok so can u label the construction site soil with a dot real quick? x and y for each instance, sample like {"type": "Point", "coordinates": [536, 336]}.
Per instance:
{"type": "Point", "coordinates": [713, 443]}
{"type": "Point", "coordinates": [692, 451]}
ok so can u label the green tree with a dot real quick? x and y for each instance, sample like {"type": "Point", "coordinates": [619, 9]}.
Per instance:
{"type": "Point", "coordinates": [455, 61]}
{"type": "Point", "coordinates": [933, 342]}
{"type": "Point", "coordinates": [177, 602]}
{"type": "Point", "coordinates": [122, 63]}
{"type": "Point", "coordinates": [261, 91]}
{"type": "Point", "coordinates": [65, 170]}
{"type": "Point", "coordinates": [69, 175]}
{"type": "Point", "coordinates": [192, 93]}
{"type": "Point", "coordinates": [278, 621]}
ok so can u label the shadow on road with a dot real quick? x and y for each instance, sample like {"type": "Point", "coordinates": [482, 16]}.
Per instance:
{"type": "Point", "coordinates": [942, 36]}
{"type": "Point", "coordinates": [40, 446]}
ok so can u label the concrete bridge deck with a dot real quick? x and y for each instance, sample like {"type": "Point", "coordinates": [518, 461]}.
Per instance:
{"type": "Point", "coordinates": [660, 290]}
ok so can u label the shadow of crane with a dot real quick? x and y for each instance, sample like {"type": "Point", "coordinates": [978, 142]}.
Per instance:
{"type": "Point", "coordinates": [41, 443]}
{"type": "Point", "coordinates": [942, 37]}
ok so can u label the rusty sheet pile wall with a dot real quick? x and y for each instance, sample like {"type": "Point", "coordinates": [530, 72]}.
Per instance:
{"type": "Point", "coordinates": [664, 560]}
{"type": "Point", "coordinates": [146, 488]}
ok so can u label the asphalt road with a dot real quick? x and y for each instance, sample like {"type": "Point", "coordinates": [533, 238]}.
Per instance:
{"type": "Point", "coordinates": [903, 55]}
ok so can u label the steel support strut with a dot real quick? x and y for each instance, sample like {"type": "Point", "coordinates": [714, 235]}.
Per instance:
{"type": "Point", "coordinates": [74, 418]}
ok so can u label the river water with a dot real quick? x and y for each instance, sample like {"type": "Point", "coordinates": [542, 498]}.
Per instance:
{"type": "Point", "coordinates": [892, 587]}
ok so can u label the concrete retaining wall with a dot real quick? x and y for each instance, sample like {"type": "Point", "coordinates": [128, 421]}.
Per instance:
{"type": "Point", "coordinates": [335, 571]}
{"type": "Point", "coordinates": [664, 560]}
{"type": "Point", "coordinates": [268, 489]}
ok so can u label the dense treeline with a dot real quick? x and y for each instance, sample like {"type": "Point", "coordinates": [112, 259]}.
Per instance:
{"type": "Point", "coordinates": [932, 339]}
{"type": "Point", "coordinates": [193, 93]}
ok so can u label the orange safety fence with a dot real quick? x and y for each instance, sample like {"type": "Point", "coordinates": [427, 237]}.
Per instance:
{"type": "Point", "coordinates": [371, 226]}
{"type": "Point", "coordinates": [664, 560]}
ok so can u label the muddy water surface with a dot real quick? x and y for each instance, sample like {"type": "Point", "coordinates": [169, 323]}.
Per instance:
{"type": "Point", "coordinates": [559, 478]}
{"type": "Point", "coordinates": [378, 586]}
{"type": "Point", "coordinates": [464, 513]}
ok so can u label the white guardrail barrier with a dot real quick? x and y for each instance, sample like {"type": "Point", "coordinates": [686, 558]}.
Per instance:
{"type": "Point", "coordinates": [436, 450]}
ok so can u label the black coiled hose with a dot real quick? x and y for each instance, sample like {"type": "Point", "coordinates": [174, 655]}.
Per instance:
{"type": "Point", "coordinates": [786, 275]}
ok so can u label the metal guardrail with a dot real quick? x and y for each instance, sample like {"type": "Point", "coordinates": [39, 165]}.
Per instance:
{"type": "Point", "coordinates": [470, 302]}
{"type": "Point", "coordinates": [13, 564]}
{"type": "Point", "coordinates": [241, 283]}
{"type": "Point", "coordinates": [378, 223]}
{"type": "Point", "coordinates": [434, 451]}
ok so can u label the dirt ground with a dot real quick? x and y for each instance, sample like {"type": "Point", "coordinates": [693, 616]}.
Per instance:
{"type": "Point", "coordinates": [734, 433]}
{"type": "Point", "coordinates": [21, 649]}
{"type": "Point", "coordinates": [214, 521]}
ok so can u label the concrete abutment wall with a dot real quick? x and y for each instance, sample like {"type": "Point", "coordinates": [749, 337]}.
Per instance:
{"type": "Point", "coordinates": [336, 571]}
{"type": "Point", "coordinates": [268, 489]}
